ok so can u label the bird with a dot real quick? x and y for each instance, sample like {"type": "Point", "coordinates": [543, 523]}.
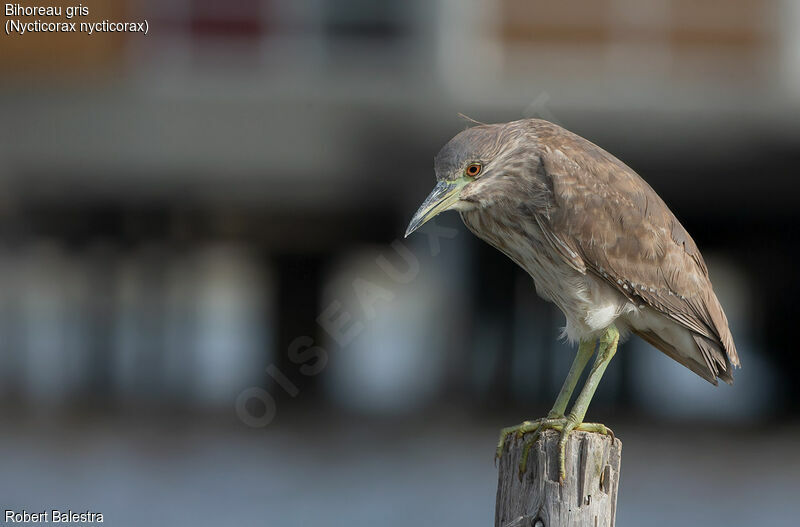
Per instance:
{"type": "Point", "coordinates": [598, 242]}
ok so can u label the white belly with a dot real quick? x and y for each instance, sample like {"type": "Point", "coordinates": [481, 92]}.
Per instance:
{"type": "Point", "coordinates": [588, 304]}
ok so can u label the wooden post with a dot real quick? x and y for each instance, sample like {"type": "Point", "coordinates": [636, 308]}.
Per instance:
{"type": "Point", "coordinates": [588, 496]}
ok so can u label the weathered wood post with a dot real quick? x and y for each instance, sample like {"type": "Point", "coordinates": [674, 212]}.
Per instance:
{"type": "Point", "coordinates": [588, 496]}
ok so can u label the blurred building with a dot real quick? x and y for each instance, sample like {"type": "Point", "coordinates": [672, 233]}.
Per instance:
{"type": "Point", "coordinates": [178, 208]}
{"type": "Point", "coordinates": [201, 234]}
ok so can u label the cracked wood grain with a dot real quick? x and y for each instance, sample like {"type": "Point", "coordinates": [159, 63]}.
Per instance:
{"type": "Point", "coordinates": [588, 496]}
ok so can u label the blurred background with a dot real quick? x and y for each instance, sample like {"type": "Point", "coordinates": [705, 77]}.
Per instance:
{"type": "Point", "coordinates": [208, 313]}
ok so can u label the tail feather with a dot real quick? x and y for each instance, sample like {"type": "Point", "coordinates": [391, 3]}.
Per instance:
{"type": "Point", "coordinates": [721, 328]}
{"type": "Point", "coordinates": [710, 362]}
{"type": "Point", "coordinates": [716, 359]}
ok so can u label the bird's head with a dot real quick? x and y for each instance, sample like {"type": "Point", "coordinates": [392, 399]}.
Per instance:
{"type": "Point", "coordinates": [467, 168]}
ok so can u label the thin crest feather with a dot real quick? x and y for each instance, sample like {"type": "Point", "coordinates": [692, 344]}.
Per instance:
{"type": "Point", "coordinates": [469, 119]}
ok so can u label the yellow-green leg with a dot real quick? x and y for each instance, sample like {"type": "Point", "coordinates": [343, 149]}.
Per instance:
{"type": "Point", "coordinates": [574, 421]}
{"type": "Point", "coordinates": [585, 351]}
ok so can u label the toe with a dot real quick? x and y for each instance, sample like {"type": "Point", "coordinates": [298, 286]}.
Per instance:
{"type": "Point", "coordinates": [526, 450]}
{"type": "Point", "coordinates": [562, 450]}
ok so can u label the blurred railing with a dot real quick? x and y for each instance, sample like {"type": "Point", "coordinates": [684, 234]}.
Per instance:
{"type": "Point", "coordinates": [322, 117]}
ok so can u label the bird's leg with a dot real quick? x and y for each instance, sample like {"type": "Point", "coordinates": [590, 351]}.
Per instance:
{"type": "Point", "coordinates": [585, 351]}
{"type": "Point", "coordinates": [574, 421]}
{"type": "Point", "coordinates": [606, 351]}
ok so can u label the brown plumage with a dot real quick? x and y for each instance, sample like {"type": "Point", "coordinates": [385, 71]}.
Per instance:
{"type": "Point", "coordinates": [596, 238]}
{"type": "Point", "coordinates": [597, 241]}
{"type": "Point", "coordinates": [619, 229]}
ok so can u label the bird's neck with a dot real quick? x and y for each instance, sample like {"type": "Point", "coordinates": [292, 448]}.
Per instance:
{"type": "Point", "coordinates": [516, 236]}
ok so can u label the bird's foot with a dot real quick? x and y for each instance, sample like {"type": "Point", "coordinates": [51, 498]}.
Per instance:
{"type": "Point", "coordinates": [518, 431]}
{"type": "Point", "coordinates": [563, 424]}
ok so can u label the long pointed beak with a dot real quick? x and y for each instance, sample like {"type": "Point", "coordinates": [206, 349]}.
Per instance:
{"type": "Point", "coordinates": [443, 196]}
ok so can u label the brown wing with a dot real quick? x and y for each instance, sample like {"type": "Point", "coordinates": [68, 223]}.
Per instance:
{"type": "Point", "coordinates": [605, 217]}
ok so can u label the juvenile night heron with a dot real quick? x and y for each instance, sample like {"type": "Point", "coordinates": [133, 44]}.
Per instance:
{"type": "Point", "coordinates": [597, 241]}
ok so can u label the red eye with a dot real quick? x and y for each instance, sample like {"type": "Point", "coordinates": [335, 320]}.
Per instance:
{"type": "Point", "coordinates": [473, 169]}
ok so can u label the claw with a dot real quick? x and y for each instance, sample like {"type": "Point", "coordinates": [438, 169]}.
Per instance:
{"type": "Point", "coordinates": [563, 424]}
{"type": "Point", "coordinates": [569, 426]}
{"type": "Point", "coordinates": [519, 432]}
{"type": "Point", "coordinates": [504, 433]}
{"type": "Point", "coordinates": [526, 450]}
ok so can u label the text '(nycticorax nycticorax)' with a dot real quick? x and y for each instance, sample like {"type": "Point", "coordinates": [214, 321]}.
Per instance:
{"type": "Point", "coordinates": [597, 241]}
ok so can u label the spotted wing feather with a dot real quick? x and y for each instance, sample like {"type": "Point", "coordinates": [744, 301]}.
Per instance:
{"type": "Point", "coordinates": [607, 220]}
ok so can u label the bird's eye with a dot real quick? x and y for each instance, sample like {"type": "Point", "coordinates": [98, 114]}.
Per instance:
{"type": "Point", "coordinates": [473, 169]}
